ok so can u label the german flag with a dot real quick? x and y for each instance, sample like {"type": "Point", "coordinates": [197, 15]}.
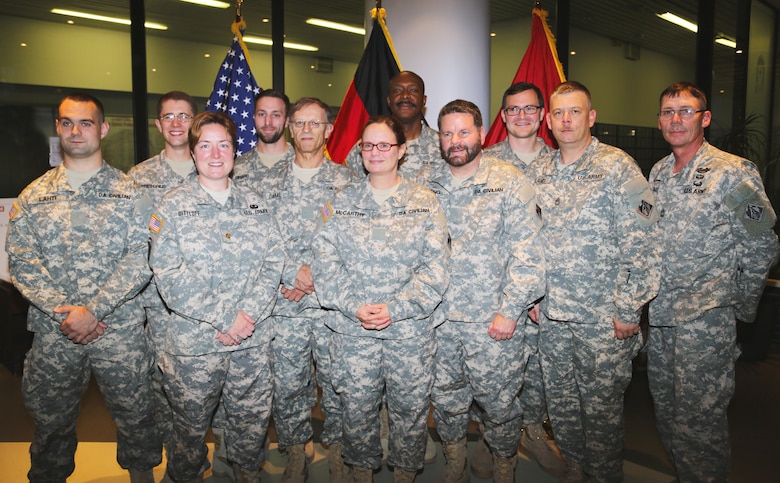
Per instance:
{"type": "Point", "coordinates": [367, 93]}
{"type": "Point", "coordinates": [541, 67]}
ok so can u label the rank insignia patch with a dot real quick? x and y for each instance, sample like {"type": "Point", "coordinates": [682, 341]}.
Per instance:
{"type": "Point", "coordinates": [754, 212]}
{"type": "Point", "coordinates": [645, 208]}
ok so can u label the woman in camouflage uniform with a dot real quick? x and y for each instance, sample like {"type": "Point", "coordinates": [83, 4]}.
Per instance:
{"type": "Point", "coordinates": [380, 262]}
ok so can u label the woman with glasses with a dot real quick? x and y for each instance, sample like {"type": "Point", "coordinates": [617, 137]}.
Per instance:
{"type": "Point", "coordinates": [217, 259]}
{"type": "Point", "coordinates": [380, 262]}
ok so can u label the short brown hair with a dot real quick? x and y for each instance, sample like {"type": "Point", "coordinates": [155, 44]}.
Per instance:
{"type": "Point", "coordinates": [211, 117]}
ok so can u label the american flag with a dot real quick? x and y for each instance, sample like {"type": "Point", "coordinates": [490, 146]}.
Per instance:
{"type": "Point", "coordinates": [234, 92]}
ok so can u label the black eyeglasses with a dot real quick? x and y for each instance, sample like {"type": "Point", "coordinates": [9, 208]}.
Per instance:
{"type": "Point", "coordinates": [384, 147]}
{"type": "Point", "coordinates": [515, 110]}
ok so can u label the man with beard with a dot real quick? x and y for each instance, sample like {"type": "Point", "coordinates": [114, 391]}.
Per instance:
{"type": "Point", "coordinates": [406, 100]}
{"type": "Point", "coordinates": [271, 108]}
{"type": "Point", "coordinates": [496, 273]}
{"type": "Point", "coordinates": [77, 249]}
{"type": "Point", "coordinates": [297, 188]}
{"type": "Point", "coordinates": [602, 254]}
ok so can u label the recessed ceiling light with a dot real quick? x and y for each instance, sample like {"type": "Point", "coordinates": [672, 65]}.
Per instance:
{"type": "Point", "coordinates": [336, 26]}
{"type": "Point", "coordinates": [287, 45]}
{"type": "Point", "coordinates": [677, 20]}
{"type": "Point", "coordinates": [208, 3]}
{"type": "Point", "coordinates": [104, 18]}
{"type": "Point", "coordinates": [726, 41]}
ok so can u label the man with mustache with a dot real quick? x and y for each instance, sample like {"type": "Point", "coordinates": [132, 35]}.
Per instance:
{"type": "Point", "coordinates": [718, 245]}
{"type": "Point", "coordinates": [77, 249]}
{"type": "Point", "coordinates": [600, 246]}
{"type": "Point", "coordinates": [271, 108]}
{"type": "Point", "coordinates": [406, 100]}
{"type": "Point", "coordinates": [496, 274]}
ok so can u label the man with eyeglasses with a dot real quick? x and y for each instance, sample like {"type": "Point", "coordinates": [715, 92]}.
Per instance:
{"type": "Point", "coordinates": [158, 175]}
{"type": "Point", "coordinates": [496, 274]}
{"type": "Point", "coordinates": [167, 170]}
{"type": "Point", "coordinates": [297, 188]}
{"type": "Point", "coordinates": [599, 235]}
{"type": "Point", "coordinates": [271, 108]}
{"type": "Point", "coordinates": [77, 250]}
{"type": "Point", "coordinates": [718, 245]}
{"type": "Point", "coordinates": [522, 110]}
{"type": "Point", "coordinates": [406, 100]}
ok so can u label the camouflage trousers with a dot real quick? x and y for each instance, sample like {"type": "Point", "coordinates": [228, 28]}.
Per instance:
{"type": "Point", "coordinates": [300, 345]}
{"type": "Point", "coordinates": [586, 371]}
{"type": "Point", "coordinates": [691, 373]}
{"type": "Point", "coordinates": [401, 370]}
{"type": "Point", "coordinates": [163, 415]}
{"type": "Point", "coordinates": [532, 395]}
{"type": "Point", "coordinates": [470, 366]}
{"type": "Point", "coordinates": [242, 382]}
{"type": "Point", "coordinates": [56, 374]}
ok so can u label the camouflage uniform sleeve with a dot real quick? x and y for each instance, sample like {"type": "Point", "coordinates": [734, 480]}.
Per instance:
{"type": "Point", "coordinates": [639, 262]}
{"type": "Point", "coordinates": [420, 296]}
{"type": "Point", "coordinates": [260, 296]}
{"type": "Point", "coordinates": [354, 161]}
{"type": "Point", "coordinates": [28, 272]}
{"type": "Point", "coordinates": [333, 285]}
{"type": "Point", "coordinates": [182, 288]}
{"type": "Point", "coordinates": [755, 241]}
{"type": "Point", "coordinates": [132, 273]}
{"type": "Point", "coordinates": [524, 277]}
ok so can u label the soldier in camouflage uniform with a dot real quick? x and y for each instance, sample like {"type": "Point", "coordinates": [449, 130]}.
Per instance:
{"type": "Point", "coordinates": [296, 190]}
{"type": "Point", "coordinates": [522, 110]}
{"type": "Point", "coordinates": [496, 273]}
{"type": "Point", "coordinates": [77, 247]}
{"type": "Point", "coordinates": [217, 259]}
{"type": "Point", "coordinates": [271, 108]}
{"type": "Point", "coordinates": [380, 261]}
{"type": "Point", "coordinates": [600, 240]}
{"type": "Point", "coordinates": [158, 175]}
{"type": "Point", "coordinates": [718, 245]}
{"type": "Point", "coordinates": [406, 100]}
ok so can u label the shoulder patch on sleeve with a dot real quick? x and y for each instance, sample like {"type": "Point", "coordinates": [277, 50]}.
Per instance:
{"type": "Point", "coordinates": [14, 210]}
{"type": "Point", "coordinates": [144, 204]}
{"type": "Point", "coordinates": [526, 193]}
{"type": "Point", "coordinates": [326, 212]}
{"type": "Point", "coordinates": [750, 208]}
{"type": "Point", "coordinates": [641, 200]}
{"type": "Point", "coordinates": [155, 224]}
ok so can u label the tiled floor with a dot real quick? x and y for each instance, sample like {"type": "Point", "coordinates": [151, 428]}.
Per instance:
{"type": "Point", "coordinates": [754, 413]}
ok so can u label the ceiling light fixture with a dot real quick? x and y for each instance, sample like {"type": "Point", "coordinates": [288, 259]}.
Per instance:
{"type": "Point", "coordinates": [686, 24]}
{"type": "Point", "coordinates": [336, 26]}
{"type": "Point", "coordinates": [726, 41]}
{"type": "Point", "coordinates": [208, 3]}
{"type": "Point", "coordinates": [103, 18]}
{"type": "Point", "coordinates": [287, 45]}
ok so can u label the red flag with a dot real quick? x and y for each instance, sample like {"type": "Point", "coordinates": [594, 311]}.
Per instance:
{"type": "Point", "coordinates": [540, 66]}
{"type": "Point", "coordinates": [367, 93]}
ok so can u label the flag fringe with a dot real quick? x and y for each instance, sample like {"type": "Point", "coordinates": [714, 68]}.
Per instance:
{"type": "Point", "coordinates": [238, 28]}
{"type": "Point", "coordinates": [542, 14]}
